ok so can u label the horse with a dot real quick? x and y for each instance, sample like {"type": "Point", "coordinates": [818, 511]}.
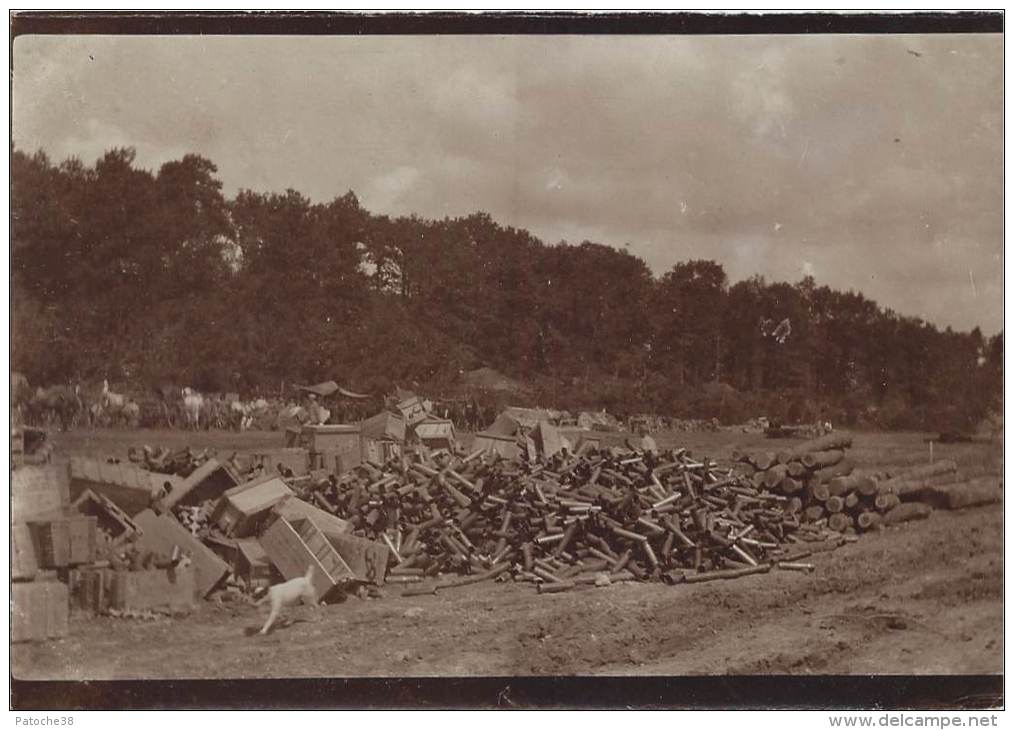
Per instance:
{"type": "Point", "coordinates": [193, 402]}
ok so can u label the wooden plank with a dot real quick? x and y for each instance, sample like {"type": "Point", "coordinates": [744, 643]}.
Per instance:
{"type": "Point", "coordinates": [160, 533]}
{"type": "Point", "coordinates": [24, 566]}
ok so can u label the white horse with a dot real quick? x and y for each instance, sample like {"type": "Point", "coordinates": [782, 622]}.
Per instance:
{"type": "Point", "coordinates": [117, 407]}
{"type": "Point", "coordinates": [193, 402]}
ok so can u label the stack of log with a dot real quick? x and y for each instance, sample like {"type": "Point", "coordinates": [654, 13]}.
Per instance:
{"type": "Point", "coordinates": [941, 486]}
{"type": "Point", "coordinates": [824, 486]}
{"type": "Point", "coordinates": [821, 484]}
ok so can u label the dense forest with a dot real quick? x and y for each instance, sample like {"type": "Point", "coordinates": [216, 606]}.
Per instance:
{"type": "Point", "coordinates": [143, 277]}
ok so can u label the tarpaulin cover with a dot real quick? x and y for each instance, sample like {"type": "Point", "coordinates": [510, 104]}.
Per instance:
{"type": "Point", "coordinates": [329, 387]}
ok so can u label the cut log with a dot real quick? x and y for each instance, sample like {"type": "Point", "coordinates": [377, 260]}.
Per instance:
{"type": "Point", "coordinates": [868, 520]}
{"type": "Point", "coordinates": [821, 459]}
{"type": "Point", "coordinates": [974, 493]}
{"type": "Point", "coordinates": [886, 502]}
{"type": "Point", "coordinates": [796, 468]}
{"type": "Point", "coordinates": [839, 522]}
{"type": "Point", "coordinates": [906, 512]}
{"type": "Point", "coordinates": [774, 475]}
{"type": "Point", "coordinates": [790, 486]}
{"type": "Point", "coordinates": [829, 442]}
{"type": "Point", "coordinates": [841, 469]}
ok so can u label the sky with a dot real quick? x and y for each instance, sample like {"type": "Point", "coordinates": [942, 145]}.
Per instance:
{"type": "Point", "coordinates": [872, 163]}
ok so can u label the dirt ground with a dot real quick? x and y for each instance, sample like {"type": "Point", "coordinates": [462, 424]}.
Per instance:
{"type": "Point", "coordinates": [920, 598]}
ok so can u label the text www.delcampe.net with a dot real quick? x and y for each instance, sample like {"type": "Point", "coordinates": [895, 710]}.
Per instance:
{"type": "Point", "coordinates": [888, 720]}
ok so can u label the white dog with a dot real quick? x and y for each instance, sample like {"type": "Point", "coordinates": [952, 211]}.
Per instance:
{"type": "Point", "coordinates": [289, 593]}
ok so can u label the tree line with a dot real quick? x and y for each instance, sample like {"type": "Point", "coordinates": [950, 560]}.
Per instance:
{"type": "Point", "coordinates": [150, 277]}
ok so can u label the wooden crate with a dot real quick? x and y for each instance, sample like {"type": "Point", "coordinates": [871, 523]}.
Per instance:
{"type": "Point", "coordinates": [39, 610]}
{"type": "Point", "coordinates": [113, 525]}
{"type": "Point", "coordinates": [294, 546]}
{"type": "Point", "coordinates": [252, 564]}
{"type": "Point", "coordinates": [37, 491]}
{"type": "Point", "coordinates": [146, 590]}
{"type": "Point", "coordinates": [90, 588]}
{"type": "Point", "coordinates": [63, 542]}
{"type": "Point", "coordinates": [331, 437]}
{"type": "Point", "coordinates": [208, 481]}
{"type": "Point", "coordinates": [24, 566]}
{"type": "Point", "coordinates": [161, 533]}
{"type": "Point", "coordinates": [129, 486]}
{"type": "Point", "coordinates": [295, 460]}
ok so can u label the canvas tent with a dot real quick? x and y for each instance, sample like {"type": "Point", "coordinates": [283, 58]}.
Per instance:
{"type": "Point", "coordinates": [329, 388]}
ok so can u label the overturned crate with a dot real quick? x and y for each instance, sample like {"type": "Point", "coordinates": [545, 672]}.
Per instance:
{"type": "Point", "coordinates": [297, 509]}
{"type": "Point", "coordinates": [208, 481]}
{"type": "Point", "coordinates": [130, 487]}
{"type": "Point", "coordinates": [296, 545]}
{"type": "Point", "coordinates": [436, 433]}
{"type": "Point", "coordinates": [161, 533]}
{"type": "Point", "coordinates": [242, 509]}
{"type": "Point", "coordinates": [252, 564]}
{"type": "Point", "coordinates": [112, 523]}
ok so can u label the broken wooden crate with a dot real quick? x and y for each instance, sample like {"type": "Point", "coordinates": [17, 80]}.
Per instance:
{"type": "Point", "coordinates": [128, 486]}
{"type": "Point", "coordinates": [113, 524]}
{"type": "Point", "coordinates": [208, 481]}
{"type": "Point", "coordinates": [297, 509]}
{"type": "Point", "coordinates": [161, 533]}
{"type": "Point", "coordinates": [90, 587]}
{"type": "Point", "coordinates": [252, 565]}
{"type": "Point", "coordinates": [296, 545]}
{"type": "Point", "coordinates": [64, 541]}
{"type": "Point", "coordinates": [242, 509]}
{"type": "Point", "coordinates": [148, 590]}
{"type": "Point", "coordinates": [436, 433]}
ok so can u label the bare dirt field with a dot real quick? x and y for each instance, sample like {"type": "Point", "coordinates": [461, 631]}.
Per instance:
{"type": "Point", "coordinates": [920, 598]}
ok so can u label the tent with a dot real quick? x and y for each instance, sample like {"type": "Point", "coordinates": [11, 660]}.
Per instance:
{"type": "Point", "coordinates": [329, 388]}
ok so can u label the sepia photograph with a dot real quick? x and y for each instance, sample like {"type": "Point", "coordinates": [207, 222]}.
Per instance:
{"type": "Point", "coordinates": [458, 353]}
